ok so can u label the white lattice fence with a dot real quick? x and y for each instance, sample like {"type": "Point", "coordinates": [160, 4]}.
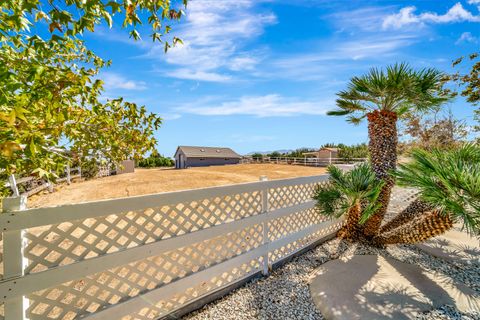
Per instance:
{"type": "Point", "coordinates": [144, 257]}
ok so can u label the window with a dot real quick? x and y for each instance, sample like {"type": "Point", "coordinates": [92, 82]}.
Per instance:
{"type": "Point", "coordinates": [227, 159]}
{"type": "Point", "coordinates": [201, 159]}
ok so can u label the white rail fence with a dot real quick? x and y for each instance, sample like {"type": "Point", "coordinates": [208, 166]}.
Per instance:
{"type": "Point", "coordinates": [148, 256]}
{"type": "Point", "coordinates": [313, 162]}
{"type": "Point", "coordinates": [40, 184]}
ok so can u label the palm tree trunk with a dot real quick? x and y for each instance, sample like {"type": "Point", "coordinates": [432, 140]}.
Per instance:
{"type": "Point", "coordinates": [427, 225]}
{"type": "Point", "coordinates": [414, 209]}
{"type": "Point", "coordinates": [382, 146]}
{"type": "Point", "coordinates": [351, 228]}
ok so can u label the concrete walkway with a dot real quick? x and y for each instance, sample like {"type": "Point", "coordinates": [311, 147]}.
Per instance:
{"type": "Point", "coordinates": [454, 245]}
{"type": "Point", "coordinates": [375, 287]}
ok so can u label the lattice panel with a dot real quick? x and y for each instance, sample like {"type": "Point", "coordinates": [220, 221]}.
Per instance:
{"type": "Point", "coordinates": [290, 248]}
{"type": "Point", "coordinates": [93, 293]}
{"type": "Point", "coordinates": [163, 307]}
{"type": "Point", "coordinates": [282, 227]}
{"type": "Point", "coordinates": [401, 198]}
{"type": "Point", "coordinates": [290, 195]}
{"type": "Point", "coordinates": [68, 242]}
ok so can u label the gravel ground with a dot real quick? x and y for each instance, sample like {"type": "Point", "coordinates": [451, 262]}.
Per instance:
{"type": "Point", "coordinates": [285, 293]}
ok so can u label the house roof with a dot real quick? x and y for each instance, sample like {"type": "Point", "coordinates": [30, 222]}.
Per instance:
{"type": "Point", "coordinates": [207, 152]}
{"type": "Point", "coordinates": [329, 149]}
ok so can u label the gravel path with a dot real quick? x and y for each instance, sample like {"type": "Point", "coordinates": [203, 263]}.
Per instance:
{"type": "Point", "coordinates": [285, 293]}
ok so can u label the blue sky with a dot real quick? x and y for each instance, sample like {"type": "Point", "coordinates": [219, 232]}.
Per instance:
{"type": "Point", "coordinates": [260, 75]}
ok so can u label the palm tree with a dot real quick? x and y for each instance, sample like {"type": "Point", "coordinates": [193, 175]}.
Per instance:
{"type": "Point", "coordinates": [353, 193]}
{"type": "Point", "coordinates": [384, 96]}
{"type": "Point", "coordinates": [449, 185]}
{"type": "Point", "coordinates": [449, 191]}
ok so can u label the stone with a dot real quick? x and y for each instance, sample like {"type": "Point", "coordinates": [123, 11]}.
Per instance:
{"type": "Point", "coordinates": [377, 287]}
{"type": "Point", "coordinates": [453, 245]}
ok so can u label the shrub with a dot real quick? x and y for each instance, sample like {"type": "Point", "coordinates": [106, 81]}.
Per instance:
{"type": "Point", "coordinates": [156, 160]}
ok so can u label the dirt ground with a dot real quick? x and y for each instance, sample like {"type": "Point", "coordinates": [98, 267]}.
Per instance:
{"type": "Point", "coordinates": [147, 181]}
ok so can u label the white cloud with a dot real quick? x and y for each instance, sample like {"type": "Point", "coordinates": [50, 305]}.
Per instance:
{"type": "Point", "coordinates": [406, 16]}
{"type": "Point", "coordinates": [364, 19]}
{"type": "Point", "coordinates": [467, 37]}
{"type": "Point", "coordinates": [171, 116]}
{"type": "Point", "coordinates": [271, 105]}
{"type": "Point", "coordinates": [189, 74]}
{"type": "Point", "coordinates": [337, 56]}
{"type": "Point", "coordinates": [116, 81]}
{"type": "Point", "coordinates": [215, 34]}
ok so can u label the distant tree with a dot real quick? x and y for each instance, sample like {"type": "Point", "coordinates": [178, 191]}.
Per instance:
{"type": "Point", "coordinates": [348, 153]}
{"type": "Point", "coordinates": [299, 153]}
{"type": "Point", "coordinates": [329, 145]}
{"type": "Point", "coordinates": [428, 131]}
{"type": "Point", "coordinates": [274, 154]}
{"type": "Point", "coordinates": [155, 160]}
{"type": "Point", "coordinates": [257, 155]}
{"type": "Point", "coordinates": [470, 83]}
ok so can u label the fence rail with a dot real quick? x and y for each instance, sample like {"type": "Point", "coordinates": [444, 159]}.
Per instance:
{"type": "Point", "coordinates": [313, 162]}
{"type": "Point", "coordinates": [40, 184]}
{"type": "Point", "coordinates": [145, 257]}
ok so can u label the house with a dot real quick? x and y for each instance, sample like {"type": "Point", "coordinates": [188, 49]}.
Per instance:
{"type": "Point", "coordinates": [323, 153]}
{"type": "Point", "coordinates": [190, 156]}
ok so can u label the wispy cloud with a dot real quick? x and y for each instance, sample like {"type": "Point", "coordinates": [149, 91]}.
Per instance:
{"type": "Point", "coordinates": [467, 37]}
{"type": "Point", "coordinates": [271, 105]}
{"type": "Point", "coordinates": [368, 19]}
{"type": "Point", "coordinates": [171, 116]}
{"type": "Point", "coordinates": [192, 74]}
{"type": "Point", "coordinates": [406, 16]}
{"type": "Point", "coordinates": [114, 81]}
{"type": "Point", "coordinates": [215, 34]}
{"type": "Point", "coordinates": [324, 60]}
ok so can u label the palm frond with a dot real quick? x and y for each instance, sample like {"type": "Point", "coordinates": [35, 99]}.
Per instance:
{"type": "Point", "coordinates": [397, 88]}
{"type": "Point", "coordinates": [345, 189]}
{"type": "Point", "coordinates": [448, 180]}
{"type": "Point", "coordinates": [340, 112]}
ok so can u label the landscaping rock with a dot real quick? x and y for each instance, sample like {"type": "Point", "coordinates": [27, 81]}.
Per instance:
{"type": "Point", "coordinates": [285, 293]}
{"type": "Point", "coordinates": [455, 245]}
{"type": "Point", "coordinates": [378, 287]}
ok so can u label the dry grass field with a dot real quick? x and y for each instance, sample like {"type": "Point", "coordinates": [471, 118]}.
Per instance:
{"type": "Point", "coordinates": [147, 181]}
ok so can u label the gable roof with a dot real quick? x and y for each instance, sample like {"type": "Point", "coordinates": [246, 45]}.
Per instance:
{"type": "Point", "coordinates": [207, 152]}
{"type": "Point", "coordinates": [329, 149]}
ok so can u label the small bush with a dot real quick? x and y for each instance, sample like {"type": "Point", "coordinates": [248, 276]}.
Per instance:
{"type": "Point", "coordinates": [156, 160]}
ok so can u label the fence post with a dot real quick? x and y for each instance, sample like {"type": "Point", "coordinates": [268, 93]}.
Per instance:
{"type": "Point", "coordinates": [68, 174]}
{"type": "Point", "coordinates": [13, 185]}
{"type": "Point", "coordinates": [265, 226]}
{"type": "Point", "coordinates": [14, 262]}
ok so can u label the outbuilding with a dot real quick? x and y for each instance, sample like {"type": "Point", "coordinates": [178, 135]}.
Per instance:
{"type": "Point", "coordinates": [191, 156]}
{"type": "Point", "coordinates": [323, 153]}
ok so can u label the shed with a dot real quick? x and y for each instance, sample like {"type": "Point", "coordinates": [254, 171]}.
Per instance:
{"type": "Point", "coordinates": [192, 156]}
{"type": "Point", "coordinates": [323, 153]}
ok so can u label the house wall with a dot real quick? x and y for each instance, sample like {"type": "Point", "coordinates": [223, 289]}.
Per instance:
{"type": "Point", "coordinates": [179, 160]}
{"type": "Point", "coordinates": [203, 162]}
{"type": "Point", "coordinates": [327, 154]}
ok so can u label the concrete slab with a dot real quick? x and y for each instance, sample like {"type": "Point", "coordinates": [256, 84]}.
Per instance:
{"type": "Point", "coordinates": [374, 287]}
{"type": "Point", "coordinates": [454, 245]}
